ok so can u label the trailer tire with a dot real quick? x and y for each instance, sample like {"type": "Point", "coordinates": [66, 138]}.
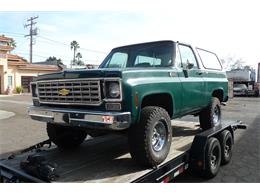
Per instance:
{"type": "Point", "coordinates": [211, 115]}
{"type": "Point", "coordinates": [150, 140]}
{"type": "Point", "coordinates": [226, 143]}
{"type": "Point", "coordinates": [212, 158]}
{"type": "Point", "coordinates": [65, 137]}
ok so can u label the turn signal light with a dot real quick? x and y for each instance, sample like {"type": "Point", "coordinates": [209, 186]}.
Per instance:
{"type": "Point", "coordinates": [108, 119]}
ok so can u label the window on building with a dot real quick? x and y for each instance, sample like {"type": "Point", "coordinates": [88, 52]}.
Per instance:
{"type": "Point", "coordinates": [10, 81]}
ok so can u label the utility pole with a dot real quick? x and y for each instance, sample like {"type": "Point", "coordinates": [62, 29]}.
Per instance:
{"type": "Point", "coordinates": [33, 32]}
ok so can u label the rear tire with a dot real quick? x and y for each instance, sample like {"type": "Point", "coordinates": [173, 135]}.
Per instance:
{"type": "Point", "coordinates": [211, 115]}
{"type": "Point", "coordinates": [226, 143]}
{"type": "Point", "coordinates": [65, 136]}
{"type": "Point", "coordinates": [212, 158]}
{"type": "Point", "coordinates": [150, 140]}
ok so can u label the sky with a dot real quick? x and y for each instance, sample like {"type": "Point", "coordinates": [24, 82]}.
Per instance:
{"type": "Point", "coordinates": [228, 28]}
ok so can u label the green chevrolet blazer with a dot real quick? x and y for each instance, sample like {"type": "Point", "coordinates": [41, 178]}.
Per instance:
{"type": "Point", "coordinates": [137, 90]}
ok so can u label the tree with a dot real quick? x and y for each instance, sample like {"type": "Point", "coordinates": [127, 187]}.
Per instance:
{"type": "Point", "coordinates": [12, 44]}
{"type": "Point", "coordinates": [79, 56]}
{"type": "Point", "coordinates": [79, 61]}
{"type": "Point", "coordinates": [231, 63]}
{"type": "Point", "coordinates": [247, 67]}
{"type": "Point", "coordinates": [74, 45]}
{"type": "Point", "coordinates": [54, 60]}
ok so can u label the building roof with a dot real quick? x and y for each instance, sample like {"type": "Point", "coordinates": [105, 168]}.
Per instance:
{"type": "Point", "coordinates": [15, 60]}
{"type": "Point", "coordinates": [40, 67]}
{"type": "Point", "coordinates": [6, 48]}
{"type": "Point", "coordinates": [15, 57]}
{"type": "Point", "coordinates": [5, 39]}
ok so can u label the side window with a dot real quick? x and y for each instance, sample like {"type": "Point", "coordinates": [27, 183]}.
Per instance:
{"type": "Point", "coordinates": [209, 60]}
{"type": "Point", "coordinates": [187, 56]}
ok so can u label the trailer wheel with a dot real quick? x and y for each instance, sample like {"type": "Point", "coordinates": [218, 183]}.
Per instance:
{"type": "Point", "coordinates": [64, 136]}
{"type": "Point", "coordinates": [211, 115]}
{"type": "Point", "coordinates": [150, 140]}
{"type": "Point", "coordinates": [226, 143]}
{"type": "Point", "coordinates": [212, 158]}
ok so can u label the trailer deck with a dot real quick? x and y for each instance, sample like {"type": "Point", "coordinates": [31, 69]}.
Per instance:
{"type": "Point", "coordinates": [106, 158]}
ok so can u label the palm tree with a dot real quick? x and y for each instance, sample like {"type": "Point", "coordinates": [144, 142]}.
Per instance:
{"type": "Point", "coordinates": [74, 45]}
{"type": "Point", "coordinates": [78, 56]}
{"type": "Point", "coordinates": [12, 44]}
{"type": "Point", "coordinates": [54, 60]}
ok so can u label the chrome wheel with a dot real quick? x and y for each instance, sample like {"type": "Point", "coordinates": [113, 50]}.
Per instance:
{"type": "Point", "coordinates": [213, 161]}
{"type": "Point", "coordinates": [216, 115]}
{"type": "Point", "coordinates": [159, 136]}
{"type": "Point", "coordinates": [214, 158]}
{"type": "Point", "coordinates": [227, 148]}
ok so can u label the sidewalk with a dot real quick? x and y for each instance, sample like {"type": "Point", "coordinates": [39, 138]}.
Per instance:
{"type": "Point", "coordinates": [4, 95]}
{"type": "Point", "coordinates": [5, 114]}
{"type": "Point", "coordinates": [24, 99]}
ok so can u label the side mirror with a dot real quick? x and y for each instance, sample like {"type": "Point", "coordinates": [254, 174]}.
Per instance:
{"type": "Point", "coordinates": [188, 66]}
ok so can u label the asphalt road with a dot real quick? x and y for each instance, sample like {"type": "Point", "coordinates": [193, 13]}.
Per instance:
{"type": "Point", "coordinates": [245, 163]}
{"type": "Point", "coordinates": [18, 131]}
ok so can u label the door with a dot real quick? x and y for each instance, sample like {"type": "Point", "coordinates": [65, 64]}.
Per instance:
{"type": "Point", "coordinates": [26, 80]}
{"type": "Point", "coordinates": [193, 86]}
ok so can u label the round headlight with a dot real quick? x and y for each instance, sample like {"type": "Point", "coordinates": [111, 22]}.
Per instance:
{"type": "Point", "coordinates": [114, 90]}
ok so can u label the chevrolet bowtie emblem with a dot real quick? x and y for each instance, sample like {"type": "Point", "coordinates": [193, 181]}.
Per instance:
{"type": "Point", "coordinates": [64, 92]}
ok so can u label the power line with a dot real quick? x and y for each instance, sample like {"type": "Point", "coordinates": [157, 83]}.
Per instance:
{"type": "Point", "coordinates": [32, 32]}
{"type": "Point", "coordinates": [13, 33]}
{"type": "Point", "coordinates": [58, 42]}
{"type": "Point", "coordinates": [47, 56]}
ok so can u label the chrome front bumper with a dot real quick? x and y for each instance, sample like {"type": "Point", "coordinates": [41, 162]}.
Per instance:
{"type": "Point", "coordinates": [82, 118]}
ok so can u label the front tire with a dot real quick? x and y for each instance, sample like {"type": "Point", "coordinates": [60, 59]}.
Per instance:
{"type": "Point", "coordinates": [211, 115]}
{"type": "Point", "coordinates": [150, 140]}
{"type": "Point", "coordinates": [65, 136]}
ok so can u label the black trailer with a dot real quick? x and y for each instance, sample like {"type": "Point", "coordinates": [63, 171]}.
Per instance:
{"type": "Point", "coordinates": [107, 159]}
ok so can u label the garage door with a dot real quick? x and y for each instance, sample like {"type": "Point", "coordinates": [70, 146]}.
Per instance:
{"type": "Point", "coordinates": [26, 80]}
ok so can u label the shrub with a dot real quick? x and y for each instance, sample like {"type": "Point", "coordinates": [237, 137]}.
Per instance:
{"type": "Point", "coordinates": [19, 89]}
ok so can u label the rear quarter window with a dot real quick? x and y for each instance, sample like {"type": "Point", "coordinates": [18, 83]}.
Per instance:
{"type": "Point", "coordinates": [209, 60]}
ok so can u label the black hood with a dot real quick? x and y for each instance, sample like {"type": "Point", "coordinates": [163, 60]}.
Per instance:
{"type": "Point", "coordinates": [74, 74]}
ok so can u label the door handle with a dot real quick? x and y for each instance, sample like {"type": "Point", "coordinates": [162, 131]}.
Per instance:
{"type": "Point", "coordinates": [198, 73]}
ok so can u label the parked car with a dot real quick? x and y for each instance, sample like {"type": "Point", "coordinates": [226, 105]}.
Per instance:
{"type": "Point", "coordinates": [137, 89]}
{"type": "Point", "coordinates": [240, 89]}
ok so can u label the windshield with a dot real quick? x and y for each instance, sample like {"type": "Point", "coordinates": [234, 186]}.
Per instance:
{"type": "Point", "coordinates": [143, 55]}
{"type": "Point", "coordinates": [240, 86]}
